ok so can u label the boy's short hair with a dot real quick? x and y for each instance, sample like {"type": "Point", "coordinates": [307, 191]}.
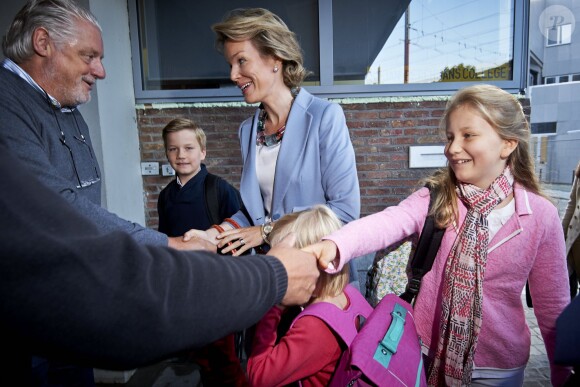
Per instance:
{"type": "Point", "coordinates": [178, 124]}
{"type": "Point", "coordinates": [310, 226]}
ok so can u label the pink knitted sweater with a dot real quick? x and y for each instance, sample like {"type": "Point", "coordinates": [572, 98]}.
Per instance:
{"type": "Point", "coordinates": [530, 245]}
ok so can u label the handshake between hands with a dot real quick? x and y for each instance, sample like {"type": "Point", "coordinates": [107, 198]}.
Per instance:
{"type": "Point", "coordinates": [302, 266]}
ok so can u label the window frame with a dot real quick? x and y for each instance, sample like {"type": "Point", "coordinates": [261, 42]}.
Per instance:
{"type": "Point", "coordinates": [560, 41]}
{"type": "Point", "coordinates": [327, 89]}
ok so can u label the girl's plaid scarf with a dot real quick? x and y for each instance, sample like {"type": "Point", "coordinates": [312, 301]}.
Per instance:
{"type": "Point", "coordinates": [463, 285]}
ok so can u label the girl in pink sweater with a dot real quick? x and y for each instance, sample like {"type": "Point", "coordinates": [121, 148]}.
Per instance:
{"type": "Point", "coordinates": [309, 351]}
{"type": "Point", "coordinates": [500, 232]}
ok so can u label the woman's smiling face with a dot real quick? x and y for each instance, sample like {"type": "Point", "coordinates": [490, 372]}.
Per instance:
{"type": "Point", "coordinates": [253, 73]}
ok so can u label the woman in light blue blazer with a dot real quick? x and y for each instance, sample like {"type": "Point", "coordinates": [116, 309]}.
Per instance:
{"type": "Point", "coordinates": [296, 148]}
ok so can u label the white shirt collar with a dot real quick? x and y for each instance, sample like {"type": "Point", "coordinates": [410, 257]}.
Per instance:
{"type": "Point", "coordinates": [9, 65]}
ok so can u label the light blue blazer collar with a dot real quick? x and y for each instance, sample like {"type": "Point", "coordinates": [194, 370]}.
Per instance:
{"type": "Point", "coordinates": [291, 150]}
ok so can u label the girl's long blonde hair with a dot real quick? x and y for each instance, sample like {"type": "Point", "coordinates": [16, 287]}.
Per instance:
{"type": "Point", "coordinates": [505, 114]}
{"type": "Point", "coordinates": [310, 226]}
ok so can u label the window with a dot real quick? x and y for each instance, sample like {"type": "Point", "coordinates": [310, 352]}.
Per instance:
{"type": "Point", "coordinates": [544, 128]}
{"type": "Point", "coordinates": [362, 48]}
{"type": "Point", "coordinates": [558, 34]}
{"type": "Point", "coordinates": [533, 78]}
{"type": "Point", "coordinates": [174, 33]}
{"type": "Point", "coordinates": [422, 41]}
{"type": "Point", "coordinates": [561, 79]}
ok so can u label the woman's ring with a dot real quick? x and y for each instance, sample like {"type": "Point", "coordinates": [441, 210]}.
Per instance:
{"type": "Point", "coordinates": [242, 241]}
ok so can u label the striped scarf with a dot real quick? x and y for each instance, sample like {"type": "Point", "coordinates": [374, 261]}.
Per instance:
{"type": "Point", "coordinates": [461, 312]}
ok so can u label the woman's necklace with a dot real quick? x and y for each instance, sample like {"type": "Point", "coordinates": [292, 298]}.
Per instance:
{"type": "Point", "coordinates": [274, 138]}
{"type": "Point", "coordinates": [268, 139]}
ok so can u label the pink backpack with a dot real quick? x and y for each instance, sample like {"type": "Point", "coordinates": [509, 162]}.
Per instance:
{"type": "Point", "coordinates": [342, 322]}
{"type": "Point", "coordinates": [385, 352]}
{"type": "Point", "coordinates": [387, 349]}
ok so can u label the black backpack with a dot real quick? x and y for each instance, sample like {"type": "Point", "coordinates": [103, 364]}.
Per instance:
{"type": "Point", "coordinates": [212, 197]}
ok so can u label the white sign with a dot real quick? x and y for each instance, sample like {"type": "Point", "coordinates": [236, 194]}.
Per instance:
{"type": "Point", "coordinates": [427, 156]}
{"type": "Point", "coordinates": [149, 168]}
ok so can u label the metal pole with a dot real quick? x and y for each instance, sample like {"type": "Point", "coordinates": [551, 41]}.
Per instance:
{"type": "Point", "coordinates": [407, 26]}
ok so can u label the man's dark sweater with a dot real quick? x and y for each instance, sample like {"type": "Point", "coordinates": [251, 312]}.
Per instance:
{"type": "Point", "coordinates": [56, 147]}
{"type": "Point", "coordinates": [99, 299]}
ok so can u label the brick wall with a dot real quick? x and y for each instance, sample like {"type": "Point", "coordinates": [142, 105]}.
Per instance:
{"type": "Point", "coordinates": [381, 134]}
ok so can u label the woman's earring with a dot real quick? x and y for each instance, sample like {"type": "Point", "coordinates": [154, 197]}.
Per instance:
{"type": "Point", "coordinates": [276, 69]}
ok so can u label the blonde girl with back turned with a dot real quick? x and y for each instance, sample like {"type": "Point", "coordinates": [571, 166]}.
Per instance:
{"type": "Point", "coordinates": [500, 232]}
{"type": "Point", "coordinates": [309, 351]}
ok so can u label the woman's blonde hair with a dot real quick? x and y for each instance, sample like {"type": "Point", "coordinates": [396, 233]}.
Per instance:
{"type": "Point", "coordinates": [310, 226]}
{"type": "Point", "coordinates": [269, 34]}
{"type": "Point", "coordinates": [505, 114]}
{"type": "Point", "coordinates": [179, 124]}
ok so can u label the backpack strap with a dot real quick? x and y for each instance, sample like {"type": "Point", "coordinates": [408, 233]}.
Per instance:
{"type": "Point", "coordinates": [427, 247]}
{"type": "Point", "coordinates": [342, 322]}
{"type": "Point", "coordinates": [212, 198]}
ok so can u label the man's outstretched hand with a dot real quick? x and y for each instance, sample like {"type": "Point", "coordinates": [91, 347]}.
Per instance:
{"type": "Point", "coordinates": [301, 268]}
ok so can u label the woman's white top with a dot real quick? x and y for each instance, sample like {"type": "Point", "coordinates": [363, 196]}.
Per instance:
{"type": "Point", "coordinates": [266, 159]}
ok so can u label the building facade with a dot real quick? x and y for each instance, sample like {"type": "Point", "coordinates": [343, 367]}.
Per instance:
{"type": "Point", "coordinates": [554, 90]}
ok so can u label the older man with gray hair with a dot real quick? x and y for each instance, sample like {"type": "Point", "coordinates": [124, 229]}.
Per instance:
{"type": "Point", "coordinates": [54, 52]}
